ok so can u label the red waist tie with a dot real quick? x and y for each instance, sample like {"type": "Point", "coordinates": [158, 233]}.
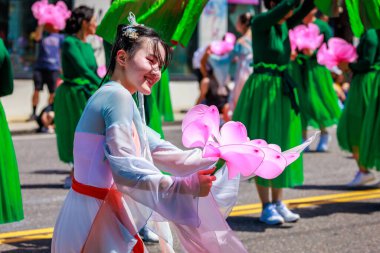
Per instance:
{"type": "Point", "coordinates": [101, 193]}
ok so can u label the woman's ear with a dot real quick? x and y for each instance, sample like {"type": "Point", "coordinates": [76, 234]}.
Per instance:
{"type": "Point", "coordinates": [121, 58]}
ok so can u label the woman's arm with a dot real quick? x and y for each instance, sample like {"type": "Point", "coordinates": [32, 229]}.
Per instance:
{"type": "Point", "coordinates": [264, 21]}
{"type": "Point", "coordinates": [301, 12]}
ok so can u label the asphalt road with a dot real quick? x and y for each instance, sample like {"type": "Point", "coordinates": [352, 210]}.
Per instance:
{"type": "Point", "coordinates": [334, 217]}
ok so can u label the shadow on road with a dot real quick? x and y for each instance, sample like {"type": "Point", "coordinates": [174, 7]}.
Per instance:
{"type": "Point", "coordinates": [336, 187]}
{"type": "Point", "coordinates": [252, 224]}
{"type": "Point", "coordinates": [36, 246]}
{"type": "Point", "coordinates": [51, 171]}
{"type": "Point", "coordinates": [333, 208]}
{"type": "Point", "coordinates": [40, 186]}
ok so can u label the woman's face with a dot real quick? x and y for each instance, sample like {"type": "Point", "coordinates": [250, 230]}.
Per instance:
{"type": "Point", "coordinates": [143, 70]}
{"type": "Point", "coordinates": [239, 27]}
{"type": "Point", "coordinates": [90, 26]}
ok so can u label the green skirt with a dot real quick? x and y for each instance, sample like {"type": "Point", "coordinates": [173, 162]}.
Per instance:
{"type": "Point", "coordinates": [318, 99]}
{"type": "Point", "coordinates": [369, 146]}
{"type": "Point", "coordinates": [10, 191]}
{"type": "Point", "coordinates": [295, 70]}
{"type": "Point", "coordinates": [69, 103]}
{"type": "Point", "coordinates": [161, 92]}
{"type": "Point", "coordinates": [363, 14]}
{"type": "Point", "coordinates": [350, 125]}
{"type": "Point", "coordinates": [267, 114]}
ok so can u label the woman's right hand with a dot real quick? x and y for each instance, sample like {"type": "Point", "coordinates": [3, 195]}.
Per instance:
{"type": "Point", "coordinates": [205, 181]}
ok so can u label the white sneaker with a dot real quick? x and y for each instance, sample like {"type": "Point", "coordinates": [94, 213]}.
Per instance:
{"type": "Point", "coordinates": [288, 215]}
{"type": "Point", "coordinates": [270, 216]}
{"type": "Point", "coordinates": [361, 178]}
{"type": "Point", "coordinates": [323, 144]}
{"type": "Point", "coordinates": [148, 236]}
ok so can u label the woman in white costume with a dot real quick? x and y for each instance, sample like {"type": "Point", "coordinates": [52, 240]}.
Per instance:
{"type": "Point", "coordinates": [118, 185]}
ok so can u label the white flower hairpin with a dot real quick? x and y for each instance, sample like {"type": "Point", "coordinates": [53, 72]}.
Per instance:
{"type": "Point", "coordinates": [129, 31]}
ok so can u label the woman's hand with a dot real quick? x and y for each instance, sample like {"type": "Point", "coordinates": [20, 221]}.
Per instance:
{"type": "Point", "coordinates": [205, 181]}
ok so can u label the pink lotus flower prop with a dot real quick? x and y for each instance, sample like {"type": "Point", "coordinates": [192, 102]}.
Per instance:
{"type": "Point", "coordinates": [55, 15]}
{"type": "Point", "coordinates": [305, 37]}
{"type": "Point", "coordinates": [225, 46]}
{"type": "Point", "coordinates": [338, 51]}
{"type": "Point", "coordinates": [246, 157]}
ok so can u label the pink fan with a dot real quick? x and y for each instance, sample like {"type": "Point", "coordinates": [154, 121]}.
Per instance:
{"type": "Point", "coordinates": [224, 46]}
{"type": "Point", "coordinates": [338, 51]}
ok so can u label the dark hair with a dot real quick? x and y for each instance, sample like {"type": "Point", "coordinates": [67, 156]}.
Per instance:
{"type": "Point", "coordinates": [268, 3]}
{"type": "Point", "coordinates": [78, 15]}
{"type": "Point", "coordinates": [245, 19]}
{"type": "Point", "coordinates": [130, 44]}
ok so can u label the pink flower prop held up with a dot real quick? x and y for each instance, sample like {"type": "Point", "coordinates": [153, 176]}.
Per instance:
{"type": "Point", "coordinates": [305, 37]}
{"type": "Point", "coordinates": [101, 71]}
{"type": "Point", "coordinates": [338, 51]}
{"type": "Point", "coordinates": [55, 15]}
{"type": "Point", "coordinates": [225, 46]}
{"type": "Point", "coordinates": [248, 158]}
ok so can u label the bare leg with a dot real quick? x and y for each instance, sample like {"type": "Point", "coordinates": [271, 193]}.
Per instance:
{"type": "Point", "coordinates": [277, 194]}
{"type": "Point", "coordinates": [51, 98]}
{"type": "Point", "coordinates": [263, 193]}
{"type": "Point", "coordinates": [203, 90]}
{"type": "Point", "coordinates": [355, 153]}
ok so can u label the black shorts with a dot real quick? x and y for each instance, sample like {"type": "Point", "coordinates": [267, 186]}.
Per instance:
{"type": "Point", "coordinates": [48, 77]}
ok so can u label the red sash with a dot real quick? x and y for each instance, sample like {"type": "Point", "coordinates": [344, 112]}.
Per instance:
{"type": "Point", "coordinates": [101, 194]}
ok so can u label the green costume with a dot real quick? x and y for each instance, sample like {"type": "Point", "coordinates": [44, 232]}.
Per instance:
{"type": "Point", "coordinates": [80, 82]}
{"type": "Point", "coordinates": [10, 191]}
{"type": "Point", "coordinates": [174, 20]}
{"type": "Point", "coordinates": [363, 14]}
{"type": "Point", "coordinates": [359, 125]}
{"type": "Point", "coordinates": [162, 93]}
{"type": "Point", "coordinates": [318, 100]}
{"type": "Point", "coordinates": [267, 104]}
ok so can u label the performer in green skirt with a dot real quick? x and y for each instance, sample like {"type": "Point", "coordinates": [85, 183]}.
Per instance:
{"type": "Point", "coordinates": [80, 80]}
{"type": "Point", "coordinates": [10, 191]}
{"type": "Point", "coordinates": [358, 128]}
{"type": "Point", "coordinates": [318, 100]}
{"type": "Point", "coordinates": [267, 105]}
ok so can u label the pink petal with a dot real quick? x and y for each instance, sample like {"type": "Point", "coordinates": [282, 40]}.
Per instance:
{"type": "Point", "coordinates": [273, 165]}
{"type": "Point", "coordinates": [241, 159]}
{"type": "Point", "coordinates": [290, 157]}
{"type": "Point", "coordinates": [207, 114]}
{"type": "Point", "coordinates": [195, 135]}
{"type": "Point", "coordinates": [233, 133]}
{"type": "Point", "coordinates": [259, 142]}
{"type": "Point", "coordinates": [211, 150]}
{"type": "Point", "coordinates": [275, 147]}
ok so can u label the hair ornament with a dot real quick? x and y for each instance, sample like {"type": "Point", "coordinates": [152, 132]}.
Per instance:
{"type": "Point", "coordinates": [130, 32]}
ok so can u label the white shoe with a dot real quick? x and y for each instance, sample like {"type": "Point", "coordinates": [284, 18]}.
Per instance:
{"type": "Point", "coordinates": [270, 216]}
{"type": "Point", "coordinates": [148, 236]}
{"type": "Point", "coordinates": [361, 178]}
{"type": "Point", "coordinates": [323, 144]}
{"type": "Point", "coordinates": [288, 215]}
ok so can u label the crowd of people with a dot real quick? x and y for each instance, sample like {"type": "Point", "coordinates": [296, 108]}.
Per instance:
{"type": "Point", "coordinates": [125, 178]}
